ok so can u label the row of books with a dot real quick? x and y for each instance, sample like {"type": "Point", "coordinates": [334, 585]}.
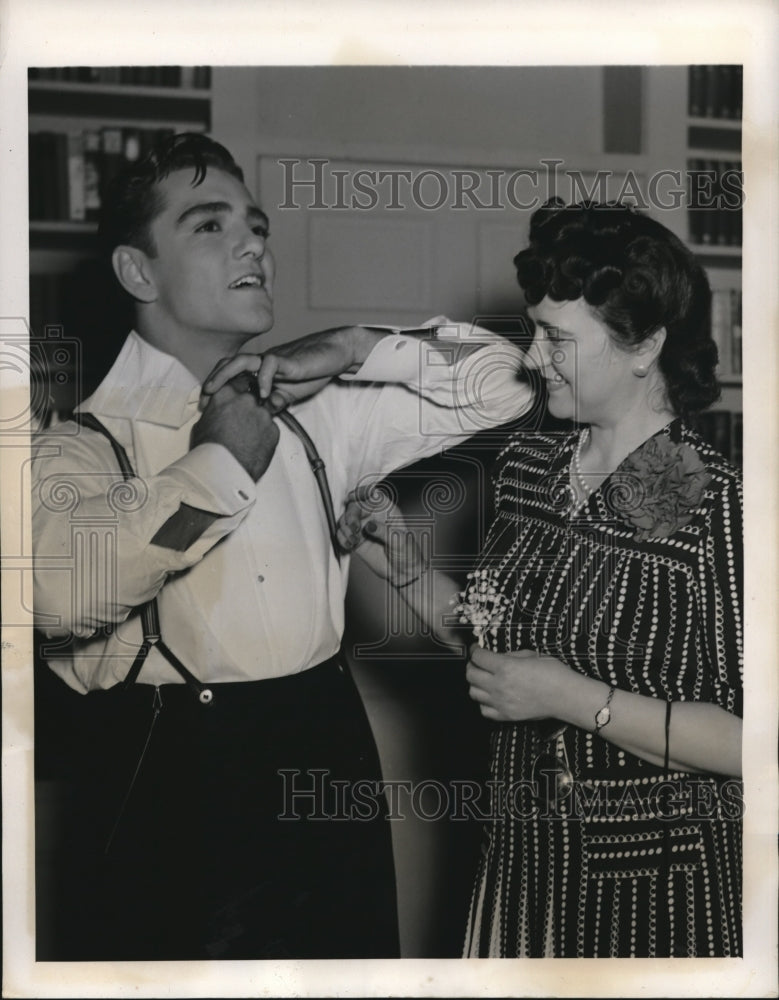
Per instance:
{"type": "Point", "coordinates": [726, 328]}
{"type": "Point", "coordinates": [724, 430]}
{"type": "Point", "coordinates": [715, 91]}
{"type": "Point", "coordinates": [196, 77]}
{"type": "Point", "coordinates": [68, 172]}
{"type": "Point", "coordinates": [715, 202]}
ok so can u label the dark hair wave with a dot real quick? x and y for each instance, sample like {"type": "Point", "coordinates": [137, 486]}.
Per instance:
{"type": "Point", "coordinates": [133, 199]}
{"type": "Point", "coordinates": [638, 277]}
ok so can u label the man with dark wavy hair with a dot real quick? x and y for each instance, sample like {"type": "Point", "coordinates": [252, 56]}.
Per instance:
{"type": "Point", "coordinates": [204, 574]}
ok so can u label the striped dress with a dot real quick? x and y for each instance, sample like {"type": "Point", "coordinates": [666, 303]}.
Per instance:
{"type": "Point", "coordinates": [636, 861]}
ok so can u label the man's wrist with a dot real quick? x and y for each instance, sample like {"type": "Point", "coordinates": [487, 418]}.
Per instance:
{"type": "Point", "coordinates": [362, 340]}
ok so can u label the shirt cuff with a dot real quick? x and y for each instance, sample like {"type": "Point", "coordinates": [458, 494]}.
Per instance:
{"type": "Point", "coordinates": [393, 359]}
{"type": "Point", "coordinates": [214, 480]}
{"type": "Point", "coordinates": [398, 356]}
{"type": "Point", "coordinates": [454, 353]}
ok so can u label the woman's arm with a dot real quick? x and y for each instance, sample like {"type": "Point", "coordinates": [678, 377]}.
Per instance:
{"type": "Point", "coordinates": [524, 686]}
{"type": "Point", "coordinates": [432, 597]}
{"type": "Point", "coordinates": [375, 530]}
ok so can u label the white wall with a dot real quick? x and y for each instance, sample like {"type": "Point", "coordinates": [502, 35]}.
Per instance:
{"type": "Point", "coordinates": [482, 114]}
{"type": "Point", "coordinates": [475, 118]}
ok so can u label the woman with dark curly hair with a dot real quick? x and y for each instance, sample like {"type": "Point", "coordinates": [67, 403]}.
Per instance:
{"type": "Point", "coordinates": [608, 611]}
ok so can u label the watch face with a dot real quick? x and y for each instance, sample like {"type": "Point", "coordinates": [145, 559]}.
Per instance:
{"type": "Point", "coordinates": [603, 716]}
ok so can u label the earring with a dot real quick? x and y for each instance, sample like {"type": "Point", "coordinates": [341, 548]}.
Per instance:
{"type": "Point", "coordinates": [641, 371]}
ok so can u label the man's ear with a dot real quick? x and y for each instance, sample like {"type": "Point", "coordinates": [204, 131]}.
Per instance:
{"type": "Point", "coordinates": [131, 267]}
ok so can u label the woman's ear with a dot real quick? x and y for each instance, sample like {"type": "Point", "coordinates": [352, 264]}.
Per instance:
{"type": "Point", "coordinates": [135, 276]}
{"type": "Point", "coordinates": [649, 350]}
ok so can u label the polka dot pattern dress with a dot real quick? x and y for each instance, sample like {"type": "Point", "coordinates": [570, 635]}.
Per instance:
{"type": "Point", "coordinates": [634, 861]}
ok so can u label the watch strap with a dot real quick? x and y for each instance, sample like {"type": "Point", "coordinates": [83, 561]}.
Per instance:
{"type": "Point", "coordinates": [603, 715]}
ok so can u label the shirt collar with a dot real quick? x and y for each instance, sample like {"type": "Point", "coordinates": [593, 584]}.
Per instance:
{"type": "Point", "coordinates": [146, 384]}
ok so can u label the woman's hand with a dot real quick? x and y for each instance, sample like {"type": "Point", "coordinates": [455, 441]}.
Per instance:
{"type": "Point", "coordinates": [522, 686]}
{"type": "Point", "coordinates": [516, 687]}
{"type": "Point", "coordinates": [374, 527]}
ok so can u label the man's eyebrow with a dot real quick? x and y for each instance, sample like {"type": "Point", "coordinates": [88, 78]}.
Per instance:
{"type": "Point", "coordinates": [215, 207]}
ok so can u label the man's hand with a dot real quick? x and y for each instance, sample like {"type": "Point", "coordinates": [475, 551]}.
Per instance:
{"type": "Point", "coordinates": [237, 421]}
{"type": "Point", "coordinates": [299, 369]}
{"type": "Point", "coordinates": [374, 527]}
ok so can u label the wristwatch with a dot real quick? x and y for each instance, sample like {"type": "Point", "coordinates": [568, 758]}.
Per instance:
{"type": "Point", "coordinates": [603, 715]}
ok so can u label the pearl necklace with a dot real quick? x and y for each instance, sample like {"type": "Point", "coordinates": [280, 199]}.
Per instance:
{"type": "Point", "coordinates": [577, 477]}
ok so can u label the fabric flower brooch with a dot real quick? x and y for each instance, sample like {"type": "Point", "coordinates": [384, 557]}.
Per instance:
{"type": "Point", "coordinates": [659, 486]}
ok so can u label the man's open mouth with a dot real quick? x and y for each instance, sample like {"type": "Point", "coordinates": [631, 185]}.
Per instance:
{"type": "Point", "coordinates": [249, 281]}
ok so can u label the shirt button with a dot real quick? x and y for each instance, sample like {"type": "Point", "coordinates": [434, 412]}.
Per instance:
{"type": "Point", "coordinates": [260, 578]}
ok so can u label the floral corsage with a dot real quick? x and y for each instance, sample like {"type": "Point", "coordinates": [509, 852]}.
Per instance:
{"type": "Point", "coordinates": [481, 605]}
{"type": "Point", "coordinates": [659, 486]}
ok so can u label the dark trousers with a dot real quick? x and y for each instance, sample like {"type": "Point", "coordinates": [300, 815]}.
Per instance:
{"type": "Point", "coordinates": [197, 862]}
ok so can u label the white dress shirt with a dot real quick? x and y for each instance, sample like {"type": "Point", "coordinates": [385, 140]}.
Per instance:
{"type": "Point", "coordinates": [260, 593]}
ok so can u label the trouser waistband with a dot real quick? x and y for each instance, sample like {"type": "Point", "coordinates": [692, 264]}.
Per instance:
{"type": "Point", "coordinates": [271, 686]}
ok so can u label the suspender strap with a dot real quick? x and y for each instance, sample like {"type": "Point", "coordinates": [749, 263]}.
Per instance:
{"type": "Point", "coordinates": [90, 420]}
{"type": "Point", "coordinates": [318, 468]}
{"type": "Point", "coordinates": [149, 612]}
{"type": "Point", "coordinates": [244, 382]}
{"type": "Point", "coordinates": [150, 616]}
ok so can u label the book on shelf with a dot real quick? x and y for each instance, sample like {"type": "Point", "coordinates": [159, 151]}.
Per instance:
{"type": "Point", "coordinates": [92, 160]}
{"type": "Point", "coordinates": [714, 427]}
{"type": "Point", "coordinates": [76, 182]}
{"type": "Point", "coordinates": [726, 329]}
{"type": "Point", "coordinates": [723, 430]}
{"type": "Point", "coordinates": [69, 172]}
{"type": "Point", "coordinates": [196, 77]}
{"type": "Point", "coordinates": [34, 186]}
{"type": "Point", "coordinates": [111, 146]}
{"type": "Point", "coordinates": [735, 321]}
{"type": "Point", "coordinates": [715, 91]}
{"type": "Point", "coordinates": [737, 438]}
{"type": "Point", "coordinates": [730, 185]}
{"type": "Point", "coordinates": [62, 180]}
{"type": "Point", "coordinates": [715, 197]}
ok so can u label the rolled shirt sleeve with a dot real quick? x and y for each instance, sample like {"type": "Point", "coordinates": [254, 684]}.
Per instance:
{"type": "Point", "coordinates": [459, 365]}
{"type": "Point", "coordinates": [420, 395]}
{"type": "Point", "coordinates": [95, 559]}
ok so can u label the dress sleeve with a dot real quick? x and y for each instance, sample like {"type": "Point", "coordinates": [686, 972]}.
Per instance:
{"type": "Point", "coordinates": [721, 571]}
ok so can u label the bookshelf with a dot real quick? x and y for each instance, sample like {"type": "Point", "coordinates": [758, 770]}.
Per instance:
{"type": "Point", "coordinates": [714, 230]}
{"type": "Point", "coordinates": [84, 124]}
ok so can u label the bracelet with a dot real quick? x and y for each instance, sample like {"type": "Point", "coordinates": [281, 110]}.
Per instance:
{"type": "Point", "coordinates": [406, 583]}
{"type": "Point", "coordinates": [603, 715]}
